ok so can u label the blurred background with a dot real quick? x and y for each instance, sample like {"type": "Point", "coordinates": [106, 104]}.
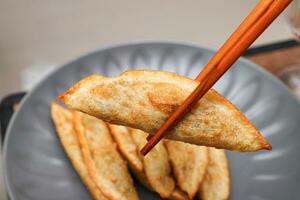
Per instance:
{"type": "Point", "coordinates": [38, 36]}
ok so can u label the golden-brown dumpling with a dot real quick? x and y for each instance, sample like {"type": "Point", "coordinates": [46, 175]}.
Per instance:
{"type": "Point", "coordinates": [144, 99]}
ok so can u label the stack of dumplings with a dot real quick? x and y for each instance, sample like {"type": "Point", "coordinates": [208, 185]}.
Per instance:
{"type": "Point", "coordinates": [103, 154]}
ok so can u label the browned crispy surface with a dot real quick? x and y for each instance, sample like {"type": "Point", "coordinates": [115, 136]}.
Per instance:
{"type": "Point", "coordinates": [216, 184]}
{"type": "Point", "coordinates": [104, 163]}
{"type": "Point", "coordinates": [127, 146]}
{"type": "Point", "coordinates": [130, 150]}
{"type": "Point", "coordinates": [144, 100]}
{"type": "Point", "coordinates": [177, 194]}
{"type": "Point", "coordinates": [189, 164]}
{"type": "Point", "coordinates": [156, 165]}
{"type": "Point", "coordinates": [62, 119]}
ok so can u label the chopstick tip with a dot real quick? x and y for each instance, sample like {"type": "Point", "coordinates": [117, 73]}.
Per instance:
{"type": "Point", "coordinates": [144, 151]}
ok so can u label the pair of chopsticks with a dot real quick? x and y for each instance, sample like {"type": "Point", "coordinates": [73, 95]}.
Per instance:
{"type": "Point", "coordinates": [265, 12]}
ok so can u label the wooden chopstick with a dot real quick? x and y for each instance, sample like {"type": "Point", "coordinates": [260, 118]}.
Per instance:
{"type": "Point", "coordinates": [254, 24]}
{"type": "Point", "coordinates": [257, 12]}
{"type": "Point", "coordinates": [254, 15]}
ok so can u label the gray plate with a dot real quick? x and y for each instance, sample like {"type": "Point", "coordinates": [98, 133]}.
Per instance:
{"type": "Point", "coordinates": [37, 167]}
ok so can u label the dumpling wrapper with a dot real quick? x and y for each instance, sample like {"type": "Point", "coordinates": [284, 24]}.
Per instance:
{"type": "Point", "coordinates": [127, 147]}
{"type": "Point", "coordinates": [216, 184]}
{"type": "Point", "coordinates": [156, 164]}
{"type": "Point", "coordinates": [129, 151]}
{"type": "Point", "coordinates": [144, 100]}
{"type": "Point", "coordinates": [105, 164]}
{"type": "Point", "coordinates": [63, 121]}
{"type": "Point", "coordinates": [154, 171]}
{"type": "Point", "coordinates": [189, 164]}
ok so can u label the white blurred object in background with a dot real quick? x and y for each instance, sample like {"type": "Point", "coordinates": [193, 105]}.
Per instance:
{"type": "Point", "coordinates": [290, 74]}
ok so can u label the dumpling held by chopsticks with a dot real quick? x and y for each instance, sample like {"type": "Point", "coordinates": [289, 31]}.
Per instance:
{"type": "Point", "coordinates": [144, 99]}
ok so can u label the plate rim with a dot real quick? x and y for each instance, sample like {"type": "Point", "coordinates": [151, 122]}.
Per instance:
{"type": "Point", "coordinates": [254, 66]}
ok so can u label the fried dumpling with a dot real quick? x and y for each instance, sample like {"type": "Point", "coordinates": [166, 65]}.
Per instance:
{"type": "Point", "coordinates": [156, 164]}
{"type": "Point", "coordinates": [63, 121]}
{"type": "Point", "coordinates": [144, 99]}
{"type": "Point", "coordinates": [154, 170]}
{"type": "Point", "coordinates": [127, 146]}
{"type": "Point", "coordinates": [105, 164]}
{"type": "Point", "coordinates": [216, 183]}
{"type": "Point", "coordinates": [189, 164]}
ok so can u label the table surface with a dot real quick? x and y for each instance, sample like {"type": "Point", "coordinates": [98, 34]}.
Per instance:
{"type": "Point", "coordinates": [275, 57]}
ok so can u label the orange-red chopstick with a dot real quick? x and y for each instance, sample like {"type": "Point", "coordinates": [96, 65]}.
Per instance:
{"type": "Point", "coordinates": [254, 24]}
